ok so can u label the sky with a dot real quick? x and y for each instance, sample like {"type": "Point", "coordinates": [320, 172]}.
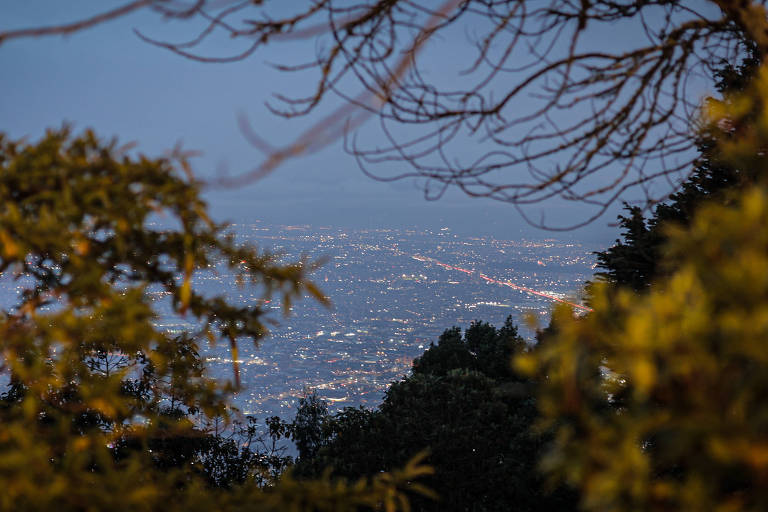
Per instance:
{"type": "Point", "coordinates": [107, 79]}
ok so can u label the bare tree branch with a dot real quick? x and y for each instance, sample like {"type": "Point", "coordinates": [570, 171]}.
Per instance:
{"type": "Point", "coordinates": [76, 26]}
{"type": "Point", "coordinates": [547, 106]}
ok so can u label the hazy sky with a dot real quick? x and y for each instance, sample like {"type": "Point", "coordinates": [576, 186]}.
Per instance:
{"type": "Point", "coordinates": [108, 79]}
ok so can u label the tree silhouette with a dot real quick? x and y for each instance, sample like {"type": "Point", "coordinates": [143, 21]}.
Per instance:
{"type": "Point", "coordinates": [636, 260]}
{"type": "Point", "coordinates": [472, 414]}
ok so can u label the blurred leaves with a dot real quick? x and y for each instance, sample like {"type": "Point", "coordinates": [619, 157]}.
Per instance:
{"type": "Point", "coordinates": [102, 405]}
{"type": "Point", "coordinates": [658, 399]}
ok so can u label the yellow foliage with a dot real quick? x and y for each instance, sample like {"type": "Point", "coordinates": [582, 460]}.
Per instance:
{"type": "Point", "coordinates": [75, 427]}
{"type": "Point", "coordinates": [659, 399]}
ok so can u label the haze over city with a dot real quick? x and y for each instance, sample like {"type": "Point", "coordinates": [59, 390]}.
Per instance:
{"type": "Point", "coordinates": [108, 77]}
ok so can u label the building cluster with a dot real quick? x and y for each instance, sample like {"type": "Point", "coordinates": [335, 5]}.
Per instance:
{"type": "Point", "coordinates": [389, 301]}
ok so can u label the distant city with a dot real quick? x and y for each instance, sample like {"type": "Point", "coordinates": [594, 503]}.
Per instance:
{"type": "Point", "coordinates": [393, 292]}
{"type": "Point", "coordinates": [390, 298]}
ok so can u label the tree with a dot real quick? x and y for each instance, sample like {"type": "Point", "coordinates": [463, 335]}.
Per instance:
{"type": "Point", "coordinates": [306, 429]}
{"type": "Point", "coordinates": [548, 109]}
{"type": "Point", "coordinates": [483, 348]}
{"type": "Point", "coordinates": [450, 353]}
{"type": "Point", "coordinates": [636, 260]}
{"type": "Point", "coordinates": [655, 396]}
{"type": "Point", "coordinates": [95, 385]}
{"type": "Point", "coordinates": [472, 414]}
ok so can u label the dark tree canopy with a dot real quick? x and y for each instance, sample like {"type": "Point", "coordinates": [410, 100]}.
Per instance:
{"type": "Point", "coordinates": [306, 429]}
{"type": "Point", "coordinates": [637, 259]}
{"type": "Point", "coordinates": [472, 414]}
{"type": "Point", "coordinates": [483, 348]}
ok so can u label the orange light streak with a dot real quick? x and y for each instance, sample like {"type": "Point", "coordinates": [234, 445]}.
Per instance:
{"type": "Point", "coordinates": [502, 283]}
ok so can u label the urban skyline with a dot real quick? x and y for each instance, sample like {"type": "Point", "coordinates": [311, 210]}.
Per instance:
{"type": "Point", "coordinates": [387, 306]}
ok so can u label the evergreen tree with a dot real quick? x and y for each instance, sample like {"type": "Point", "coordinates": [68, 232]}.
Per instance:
{"type": "Point", "coordinates": [634, 260]}
{"type": "Point", "coordinates": [472, 414]}
{"type": "Point", "coordinates": [306, 429]}
{"type": "Point", "coordinates": [655, 397]}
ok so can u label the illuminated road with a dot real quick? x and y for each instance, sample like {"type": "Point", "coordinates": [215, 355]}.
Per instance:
{"type": "Point", "coordinates": [502, 283]}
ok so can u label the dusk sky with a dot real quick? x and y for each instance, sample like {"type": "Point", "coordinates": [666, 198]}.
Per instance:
{"type": "Point", "coordinates": [108, 79]}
